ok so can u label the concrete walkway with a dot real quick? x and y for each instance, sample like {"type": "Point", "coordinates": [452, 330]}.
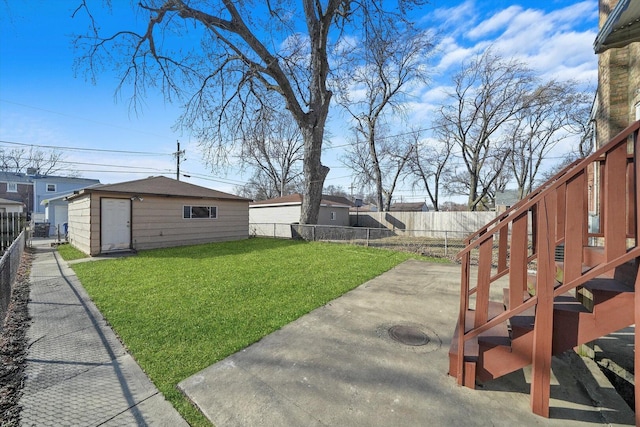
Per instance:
{"type": "Point", "coordinates": [78, 373]}
{"type": "Point", "coordinates": [339, 366]}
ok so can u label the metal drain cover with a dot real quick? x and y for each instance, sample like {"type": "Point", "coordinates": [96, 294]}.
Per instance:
{"type": "Point", "coordinates": [408, 335]}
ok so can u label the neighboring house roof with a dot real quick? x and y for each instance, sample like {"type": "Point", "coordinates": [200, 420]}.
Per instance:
{"type": "Point", "coordinates": [62, 195]}
{"type": "Point", "coordinates": [367, 207]}
{"type": "Point", "coordinates": [621, 27]}
{"type": "Point", "coordinates": [506, 198]}
{"type": "Point", "coordinates": [10, 202]}
{"type": "Point", "coordinates": [15, 177]}
{"type": "Point", "coordinates": [338, 199]}
{"type": "Point", "coordinates": [159, 186]}
{"type": "Point", "coordinates": [296, 199]}
{"type": "Point", "coordinates": [64, 179]}
{"type": "Point", "coordinates": [408, 207]}
{"type": "Point", "coordinates": [24, 178]}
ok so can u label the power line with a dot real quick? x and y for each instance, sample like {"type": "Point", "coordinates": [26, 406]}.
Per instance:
{"type": "Point", "coordinates": [214, 178]}
{"type": "Point", "coordinates": [58, 147]}
{"type": "Point", "coordinates": [149, 172]}
{"type": "Point", "coordinates": [114, 166]}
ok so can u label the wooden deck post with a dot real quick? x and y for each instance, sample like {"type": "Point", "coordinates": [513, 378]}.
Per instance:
{"type": "Point", "coordinates": [518, 260]}
{"type": "Point", "coordinates": [484, 282]}
{"type": "Point", "coordinates": [464, 306]}
{"type": "Point", "coordinates": [615, 236]}
{"type": "Point", "coordinates": [543, 328]}
{"type": "Point", "coordinates": [636, 195]}
{"type": "Point", "coordinates": [503, 249]}
{"type": "Point", "coordinates": [575, 226]}
{"type": "Point", "coordinates": [636, 354]}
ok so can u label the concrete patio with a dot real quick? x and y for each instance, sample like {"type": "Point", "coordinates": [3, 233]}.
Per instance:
{"type": "Point", "coordinates": [339, 366]}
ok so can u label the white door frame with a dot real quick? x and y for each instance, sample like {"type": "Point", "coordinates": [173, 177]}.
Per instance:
{"type": "Point", "coordinates": [115, 224]}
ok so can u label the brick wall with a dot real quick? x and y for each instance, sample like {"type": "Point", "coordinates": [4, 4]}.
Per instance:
{"type": "Point", "coordinates": [618, 85]}
{"type": "Point", "coordinates": [634, 79]}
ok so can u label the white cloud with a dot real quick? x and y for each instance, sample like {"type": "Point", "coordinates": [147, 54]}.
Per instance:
{"type": "Point", "coordinates": [451, 53]}
{"type": "Point", "coordinates": [556, 44]}
{"type": "Point", "coordinates": [579, 12]}
{"type": "Point", "coordinates": [495, 23]}
{"type": "Point", "coordinates": [454, 20]}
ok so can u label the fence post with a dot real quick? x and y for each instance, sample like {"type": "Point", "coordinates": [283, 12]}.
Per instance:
{"type": "Point", "coordinates": [368, 235]}
{"type": "Point", "coordinates": [274, 230]}
{"type": "Point", "coordinates": [445, 243]}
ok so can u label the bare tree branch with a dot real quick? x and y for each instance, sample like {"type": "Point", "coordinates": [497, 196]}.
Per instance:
{"type": "Point", "coordinates": [488, 93]}
{"type": "Point", "coordinates": [244, 51]}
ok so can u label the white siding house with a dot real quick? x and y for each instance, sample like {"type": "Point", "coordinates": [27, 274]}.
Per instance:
{"type": "Point", "coordinates": [287, 209]}
{"type": "Point", "coordinates": [153, 213]}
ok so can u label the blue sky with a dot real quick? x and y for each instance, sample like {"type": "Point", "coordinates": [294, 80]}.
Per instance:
{"type": "Point", "coordinates": [43, 101]}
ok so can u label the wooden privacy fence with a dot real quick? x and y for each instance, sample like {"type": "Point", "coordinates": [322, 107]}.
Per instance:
{"type": "Point", "coordinates": [11, 224]}
{"type": "Point", "coordinates": [459, 222]}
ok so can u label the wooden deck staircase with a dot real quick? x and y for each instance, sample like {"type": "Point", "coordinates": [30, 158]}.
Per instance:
{"type": "Point", "coordinates": [559, 284]}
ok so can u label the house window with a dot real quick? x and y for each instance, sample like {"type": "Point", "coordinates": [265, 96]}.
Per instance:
{"type": "Point", "coordinates": [195, 212]}
{"type": "Point", "coordinates": [51, 188]}
{"type": "Point", "coordinates": [333, 215]}
{"type": "Point", "coordinates": [12, 187]}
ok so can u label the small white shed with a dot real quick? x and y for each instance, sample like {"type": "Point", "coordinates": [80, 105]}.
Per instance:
{"type": "Point", "coordinates": [11, 206]}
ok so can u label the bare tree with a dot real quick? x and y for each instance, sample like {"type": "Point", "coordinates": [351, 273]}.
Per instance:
{"type": "Point", "coordinates": [429, 165]}
{"type": "Point", "coordinates": [385, 68]}
{"type": "Point", "coordinates": [243, 51]}
{"type": "Point", "coordinates": [499, 184]}
{"type": "Point", "coordinates": [44, 162]}
{"type": "Point", "coordinates": [539, 127]}
{"type": "Point", "coordinates": [488, 92]}
{"type": "Point", "coordinates": [392, 153]}
{"type": "Point", "coordinates": [580, 124]}
{"type": "Point", "coordinates": [273, 146]}
{"type": "Point", "coordinates": [260, 187]}
{"type": "Point", "coordinates": [336, 190]}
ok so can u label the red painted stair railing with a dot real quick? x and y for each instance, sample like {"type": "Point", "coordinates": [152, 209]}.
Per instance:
{"type": "Point", "coordinates": [521, 248]}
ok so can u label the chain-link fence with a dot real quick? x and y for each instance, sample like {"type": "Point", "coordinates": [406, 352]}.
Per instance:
{"type": "Point", "coordinates": [9, 264]}
{"type": "Point", "coordinates": [437, 243]}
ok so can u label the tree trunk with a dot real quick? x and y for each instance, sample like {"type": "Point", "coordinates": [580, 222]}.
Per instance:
{"type": "Point", "coordinates": [312, 123]}
{"type": "Point", "coordinates": [314, 173]}
{"type": "Point", "coordinates": [473, 192]}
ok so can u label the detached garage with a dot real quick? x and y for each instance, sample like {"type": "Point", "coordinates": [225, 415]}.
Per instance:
{"type": "Point", "coordinates": [155, 212]}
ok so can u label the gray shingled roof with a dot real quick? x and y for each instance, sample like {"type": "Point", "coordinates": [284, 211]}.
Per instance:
{"type": "Point", "coordinates": [161, 186]}
{"type": "Point", "coordinates": [10, 202]}
{"type": "Point", "coordinates": [15, 177]}
{"type": "Point", "coordinates": [407, 207]}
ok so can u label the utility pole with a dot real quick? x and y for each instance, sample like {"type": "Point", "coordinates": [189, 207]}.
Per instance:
{"type": "Point", "coordinates": [179, 154]}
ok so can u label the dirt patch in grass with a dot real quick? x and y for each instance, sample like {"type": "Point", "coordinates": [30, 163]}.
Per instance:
{"type": "Point", "coordinates": [13, 346]}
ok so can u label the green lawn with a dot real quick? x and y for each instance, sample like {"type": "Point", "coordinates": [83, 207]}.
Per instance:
{"type": "Point", "coordinates": [69, 253]}
{"type": "Point", "coordinates": [180, 310]}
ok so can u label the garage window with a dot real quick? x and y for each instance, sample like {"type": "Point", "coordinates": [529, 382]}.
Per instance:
{"type": "Point", "coordinates": [197, 212]}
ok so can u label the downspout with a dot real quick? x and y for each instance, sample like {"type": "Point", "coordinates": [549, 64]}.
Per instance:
{"type": "Point", "coordinates": [35, 195]}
